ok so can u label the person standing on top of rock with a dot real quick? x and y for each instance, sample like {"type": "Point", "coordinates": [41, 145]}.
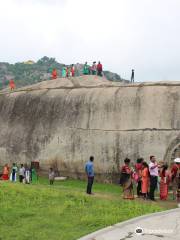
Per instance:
{"type": "Point", "coordinates": [72, 71]}
{"type": "Point", "coordinates": [94, 69]}
{"type": "Point", "coordinates": [86, 69]}
{"type": "Point", "coordinates": [99, 69]}
{"type": "Point", "coordinates": [67, 72]}
{"type": "Point", "coordinates": [64, 72]}
{"type": "Point", "coordinates": [12, 84]}
{"type": "Point", "coordinates": [54, 74]}
{"type": "Point", "coordinates": [89, 168]}
{"type": "Point", "coordinates": [132, 76]}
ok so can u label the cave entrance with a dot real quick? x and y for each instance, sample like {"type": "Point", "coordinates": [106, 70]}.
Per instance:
{"type": "Point", "coordinates": [175, 153]}
{"type": "Point", "coordinates": [173, 150]}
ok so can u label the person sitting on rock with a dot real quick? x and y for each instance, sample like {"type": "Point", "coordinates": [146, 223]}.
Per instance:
{"type": "Point", "coordinates": [99, 69]}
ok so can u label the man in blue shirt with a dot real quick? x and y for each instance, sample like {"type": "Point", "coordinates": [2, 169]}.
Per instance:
{"type": "Point", "coordinates": [89, 168]}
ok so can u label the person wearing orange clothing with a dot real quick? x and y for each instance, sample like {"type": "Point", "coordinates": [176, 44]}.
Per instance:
{"type": "Point", "coordinates": [145, 179]}
{"type": "Point", "coordinates": [12, 84]}
{"type": "Point", "coordinates": [5, 175]}
{"type": "Point", "coordinates": [54, 74]}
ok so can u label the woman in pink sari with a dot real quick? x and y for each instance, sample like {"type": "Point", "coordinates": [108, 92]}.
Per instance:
{"type": "Point", "coordinates": [164, 183]}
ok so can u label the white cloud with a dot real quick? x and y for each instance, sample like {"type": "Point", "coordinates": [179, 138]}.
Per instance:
{"type": "Point", "coordinates": [123, 34]}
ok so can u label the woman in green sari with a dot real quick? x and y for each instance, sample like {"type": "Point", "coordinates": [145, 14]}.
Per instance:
{"type": "Point", "coordinates": [86, 69]}
{"type": "Point", "coordinates": [34, 176]}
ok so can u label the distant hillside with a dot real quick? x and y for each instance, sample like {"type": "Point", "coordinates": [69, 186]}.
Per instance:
{"type": "Point", "coordinates": [27, 73]}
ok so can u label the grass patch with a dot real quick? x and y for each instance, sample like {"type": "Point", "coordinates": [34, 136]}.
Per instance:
{"type": "Point", "coordinates": [62, 211]}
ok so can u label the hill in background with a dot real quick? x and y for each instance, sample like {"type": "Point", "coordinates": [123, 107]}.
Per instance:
{"type": "Point", "coordinates": [27, 73]}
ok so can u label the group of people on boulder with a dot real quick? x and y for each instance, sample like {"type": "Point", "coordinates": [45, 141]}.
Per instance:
{"type": "Point", "coordinates": [95, 69]}
{"type": "Point", "coordinates": [149, 177]}
{"type": "Point", "coordinates": [66, 72]}
{"type": "Point", "coordinates": [26, 174]}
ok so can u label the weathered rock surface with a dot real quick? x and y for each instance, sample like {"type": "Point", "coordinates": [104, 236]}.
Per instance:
{"type": "Point", "coordinates": [64, 121]}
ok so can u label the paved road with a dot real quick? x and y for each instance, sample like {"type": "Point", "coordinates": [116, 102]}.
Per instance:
{"type": "Point", "coordinates": [158, 226]}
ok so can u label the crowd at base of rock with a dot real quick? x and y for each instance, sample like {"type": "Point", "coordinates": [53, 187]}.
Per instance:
{"type": "Point", "coordinates": [146, 177]}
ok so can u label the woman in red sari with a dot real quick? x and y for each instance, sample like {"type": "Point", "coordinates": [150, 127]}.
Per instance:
{"type": "Point", "coordinates": [5, 175]}
{"type": "Point", "coordinates": [164, 183]}
{"type": "Point", "coordinates": [126, 180]}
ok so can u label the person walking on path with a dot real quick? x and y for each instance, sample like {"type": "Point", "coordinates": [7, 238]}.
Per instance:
{"type": "Point", "coordinates": [145, 180]}
{"type": "Point", "coordinates": [126, 180]}
{"type": "Point", "coordinates": [175, 178]}
{"type": "Point", "coordinates": [51, 176]}
{"type": "Point", "coordinates": [153, 169]}
{"type": "Point", "coordinates": [21, 173]}
{"type": "Point", "coordinates": [89, 169]}
{"type": "Point", "coordinates": [14, 173]}
{"type": "Point", "coordinates": [99, 69]}
{"type": "Point", "coordinates": [132, 76]}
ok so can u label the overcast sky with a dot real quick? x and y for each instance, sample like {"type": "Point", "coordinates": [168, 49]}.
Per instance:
{"type": "Point", "coordinates": [123, 34]}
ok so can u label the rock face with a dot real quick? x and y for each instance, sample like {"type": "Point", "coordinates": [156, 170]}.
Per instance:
{"type": "Point", "coordinates": [62, 122]}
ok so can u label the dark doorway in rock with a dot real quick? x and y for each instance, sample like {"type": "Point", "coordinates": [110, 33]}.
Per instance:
{"type": "Point", "coordinates": [173, 150]}
{"type": "Point", "coordinates": [175, 153]}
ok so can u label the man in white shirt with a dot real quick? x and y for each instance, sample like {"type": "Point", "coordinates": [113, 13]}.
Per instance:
{"type": "Point", "coordinates": [153, 169]}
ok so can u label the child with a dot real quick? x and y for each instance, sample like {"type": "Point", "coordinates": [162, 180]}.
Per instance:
{"type": "Point", "coordinates": [21, 173]}
{"type": "Point", "coordinates": [51, 176]}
